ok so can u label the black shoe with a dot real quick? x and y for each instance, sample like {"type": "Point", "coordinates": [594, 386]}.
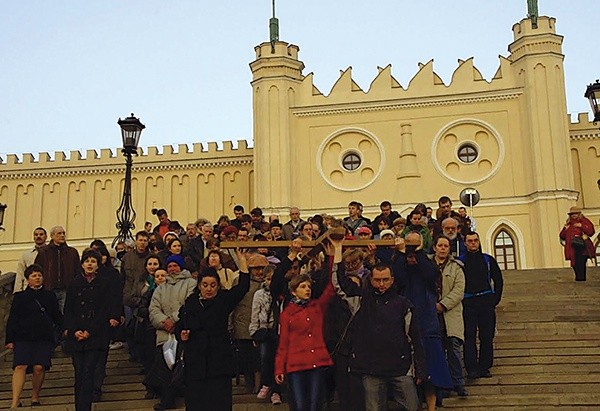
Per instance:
{"type": "Point", "coordinates": [461, 391]}
{"type": "Point", "coordinates": [161, 407]}
{"type": "Point", "coordinates": [485, 374]}
{"type": "Point", "coordinates": [150, 395]}
{"type": "Point", "coordinates": [472, 375]}
{"type": "Point", "coordinates": [35, 403]}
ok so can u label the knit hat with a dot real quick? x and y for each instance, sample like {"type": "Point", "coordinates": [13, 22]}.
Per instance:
{"type": "Point", "coordinates": [176, 258]}
{"type": "Point", "coordinates": [387, 232]}
{"type": "Point", "coordinates": [363, 230]}
{"type": "Point", "coordinates": [230, 229]}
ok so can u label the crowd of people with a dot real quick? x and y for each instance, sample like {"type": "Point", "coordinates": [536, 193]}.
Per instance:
{"type": "Point", "coordinates": [363, 324]}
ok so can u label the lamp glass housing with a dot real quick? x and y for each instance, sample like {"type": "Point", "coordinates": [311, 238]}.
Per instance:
{"type": "Point", "coordinates": [592, 93]}
{"type": "Point", "coordinates": [131, 129]}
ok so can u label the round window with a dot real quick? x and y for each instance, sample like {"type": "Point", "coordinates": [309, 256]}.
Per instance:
{"type": "Point", "coordinates": [351, 161]}
{"type": "Point", "coordinates": [467, 153]}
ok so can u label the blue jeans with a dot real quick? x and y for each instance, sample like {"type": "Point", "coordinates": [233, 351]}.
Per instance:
{"type": "Point", "coordinates": [305, 388]}
{"type": "Point", "coordinates": [403, 389]}
{"type": "Point", "coordinates": [267, 363]}
{"type": "Point", "coordinates": [454, 354]}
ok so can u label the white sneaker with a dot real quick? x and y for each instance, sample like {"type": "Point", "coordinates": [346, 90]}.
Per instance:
{"type": "Point", "coordinates": [262, 394]}
{"type": "Point", "coordinates": [275, 399]}
{"type": "Point", "coordinates": [116, 345]}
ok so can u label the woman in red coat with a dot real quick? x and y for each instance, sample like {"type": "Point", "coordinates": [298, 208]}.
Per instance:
{"type": "Point", "coordinates": [302, 355]}
{"type": "Point", "coordinates": [578, 246]}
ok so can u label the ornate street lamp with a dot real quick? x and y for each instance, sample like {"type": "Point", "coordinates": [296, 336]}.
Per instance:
{"type": "Point", "coordinates": [592, 93]}
{"type": "Point", "coordinates": [2, 208]}
{"type": "Point", "coordinates": [131, 129]}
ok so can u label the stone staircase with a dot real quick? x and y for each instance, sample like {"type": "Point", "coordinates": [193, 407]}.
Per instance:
{"type": "Point", "coordinates": [547, 347]}
{"type": "Point", "coordinates": [547, 356]}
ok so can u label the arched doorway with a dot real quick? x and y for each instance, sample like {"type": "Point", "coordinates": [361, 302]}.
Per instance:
{"type": "Point", "coordinates": [505, 249]}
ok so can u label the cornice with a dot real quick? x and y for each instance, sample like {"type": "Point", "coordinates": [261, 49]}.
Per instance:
{"type": "Point", "coordinates": [584, 136]}
{"type": "Point", "coordinates": [412, 103]}
{"type": "Point", "coordinates": [144, 168]}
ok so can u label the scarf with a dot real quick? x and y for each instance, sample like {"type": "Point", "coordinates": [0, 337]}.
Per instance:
{"type": "Point", "coordinates": [299, 302]}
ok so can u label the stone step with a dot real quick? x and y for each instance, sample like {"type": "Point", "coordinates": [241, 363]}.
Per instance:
{"type": "Point", "coordinates": [518, 400]}
{"type": "Point", "coordinates": [527, 360]}
{"type": "Point", "coordinates": [563, 343]}
{"type": "Point", "coordinates": [531, 389]}
{"type": "Point", "coordinates": [574, 352]}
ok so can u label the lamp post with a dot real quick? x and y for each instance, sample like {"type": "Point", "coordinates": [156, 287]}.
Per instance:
{"type": "Point", "coordinates": [131, 129]}
{"type": "Point", "coordinates": [2, 209]}
{"type": "Point", "coordinates": [592, 93]}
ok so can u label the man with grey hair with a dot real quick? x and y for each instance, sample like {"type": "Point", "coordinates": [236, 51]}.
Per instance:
{"type": "Point", "coordinates": [60, 264]}
{"type": "Point", "coordinates": [28, 258]}
{"type": "Point", "coordinates": [292, 226]}
{"type": "Point", "coordinates": [450, 230]}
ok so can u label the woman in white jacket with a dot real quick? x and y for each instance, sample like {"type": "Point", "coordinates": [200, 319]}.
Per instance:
{"type": "Point", "coordinates": [449, 305]}
{"type": "Point", "coordinates": [164, 308]}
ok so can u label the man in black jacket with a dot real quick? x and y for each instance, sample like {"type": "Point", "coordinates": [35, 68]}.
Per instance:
{"type": "Point", "coordinates": [386, 345]}
{"type": "Point", "coordinates": [483, 291]}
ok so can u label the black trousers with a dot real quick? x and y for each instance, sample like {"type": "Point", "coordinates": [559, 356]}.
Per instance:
{"type": "Point", "coordinates": [84, 363]}
{"type": "Point", "coordinates": [208, 394]}
{"type": "Point", "coordinates": [479, 318]}
{"type": "Point", "coordinates": [579, 265]}
{"type": "Point", "coordinates": [348, 385]}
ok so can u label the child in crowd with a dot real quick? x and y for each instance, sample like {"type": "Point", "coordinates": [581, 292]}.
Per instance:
{"type": "Point", "coordinates": [264, 334]}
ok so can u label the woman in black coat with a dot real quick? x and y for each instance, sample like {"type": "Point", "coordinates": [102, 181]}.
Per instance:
{"type": "Point", "coordinates": [90, 312]}
{"type": "Point", "coordinates": [203, 327]}
{"type": "Point", "coordinates": [30, 328]}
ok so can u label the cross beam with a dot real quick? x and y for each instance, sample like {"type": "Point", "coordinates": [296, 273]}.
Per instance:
{"type": "Point", "coordinates": [305, 244]}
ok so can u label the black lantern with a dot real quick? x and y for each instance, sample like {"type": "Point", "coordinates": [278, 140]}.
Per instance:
{"type": "Point", "coordinates": [131, 129]}
{"type": "Point", "coordinates": [2, 208]}
{"type": "Point", "coordinates": [593, 95]}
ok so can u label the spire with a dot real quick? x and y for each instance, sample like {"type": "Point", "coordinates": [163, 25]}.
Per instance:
{"type": "Point", "coordinates": [273, 29]}
{"type": "Point", "coordinates": [532, 12]}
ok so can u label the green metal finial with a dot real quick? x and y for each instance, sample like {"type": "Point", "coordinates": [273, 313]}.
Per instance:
{"type": "Point", "coordinates": [532, 12]}
{"type": "Point", "coordinates": [274, 29]}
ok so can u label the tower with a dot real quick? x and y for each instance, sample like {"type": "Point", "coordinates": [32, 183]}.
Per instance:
{"type": "Point", "coordinates": [537, 60]}
{"type": "Point", "coordinates": [276, 74]}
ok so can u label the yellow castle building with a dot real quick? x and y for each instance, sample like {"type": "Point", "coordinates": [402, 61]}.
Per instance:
{"type": "Point", "coordinates": [510, 138]}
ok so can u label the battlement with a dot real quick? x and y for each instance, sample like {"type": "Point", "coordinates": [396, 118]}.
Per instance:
{"type": "Point", "coordinates": [524, 27]}
{"type": "Point", "coordinates": [107, 156]}
{"type": "Point", "coordinates": [425, 83]}
{"type": "Point", "coordinates": [281, 49]}
{"type": "Point", "coordinates": [583, 128]}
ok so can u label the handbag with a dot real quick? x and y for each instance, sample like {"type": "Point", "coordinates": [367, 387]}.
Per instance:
{"type": "Point", "coordinates": [178, 375]}
{"type": "Point", "coordinates": [56, 331]}
{"type": "Point", "coordinates": [578, 242]}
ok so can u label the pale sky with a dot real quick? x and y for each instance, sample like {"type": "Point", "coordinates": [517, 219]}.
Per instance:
{"type": "Point", "coordinates": [69, 69]}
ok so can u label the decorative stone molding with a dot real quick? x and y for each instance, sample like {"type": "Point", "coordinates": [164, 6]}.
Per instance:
{"type": "Point", "coordinates": [408, 103]}
{"type": "Point", "coordinates": [341, 142]}
{"type": "Point", "coordinates": [477, 133]}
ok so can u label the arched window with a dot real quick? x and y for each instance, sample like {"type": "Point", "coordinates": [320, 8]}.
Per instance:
{"type": "Point", "coordinates": [505, 250]}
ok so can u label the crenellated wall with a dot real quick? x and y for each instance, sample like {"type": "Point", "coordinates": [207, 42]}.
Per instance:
{"type": "Point", "coordinates": [585, 155]}
{"type": "Point", "coordinates": [83, 194]}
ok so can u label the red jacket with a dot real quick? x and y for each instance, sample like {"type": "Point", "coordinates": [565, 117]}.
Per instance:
{"type": "Point", "coordinates": [301, 345]}
{"type": "Point", "coordinates": [567, 234]}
